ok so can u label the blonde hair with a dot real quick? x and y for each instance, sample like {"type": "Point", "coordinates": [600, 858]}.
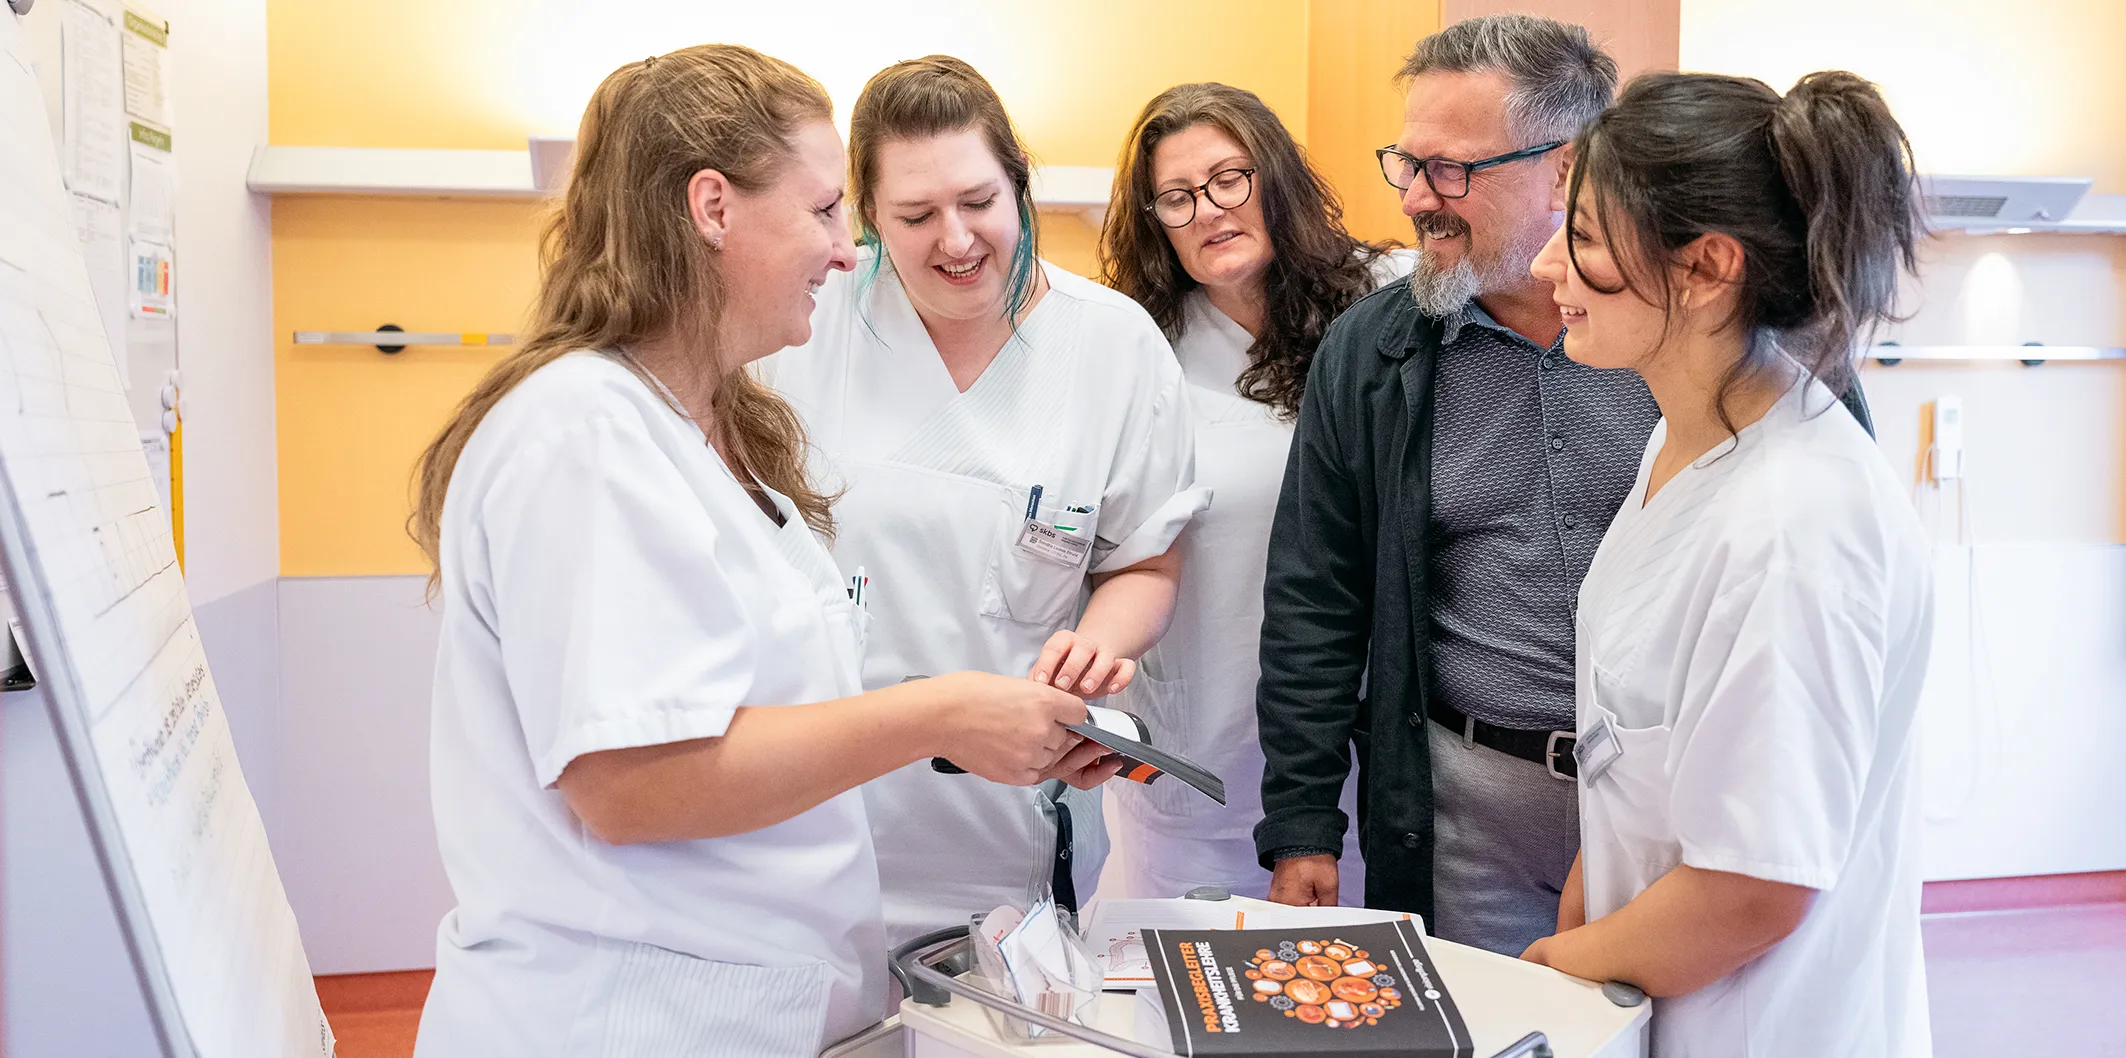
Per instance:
{"type": "Point", "coordinates": [622, 262]}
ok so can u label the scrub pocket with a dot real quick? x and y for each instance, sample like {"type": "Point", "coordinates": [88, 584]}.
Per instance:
{"type": "Point", "coordinates": [667, 1004]}
{"type": "Point", "coordinates": [1028, 588]}
{"type": "Point", "coordinates": [1632, 797]}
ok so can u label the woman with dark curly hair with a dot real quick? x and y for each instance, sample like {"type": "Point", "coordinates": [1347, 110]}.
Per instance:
{"type": "Point", "coordinates": [1232, 241]}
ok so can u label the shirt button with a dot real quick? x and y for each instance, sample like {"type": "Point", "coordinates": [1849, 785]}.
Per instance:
{"type": "Point", "coordinates": [1557, 443]}
{"type": "Point", "coordinates": [1571, 522]}
{"type": "Point", "coordinates": [1410, 841]}
{"type": "Point", "coordinates": [1550, 362]}
{"type": "Point", "coordinates": [1417, 719]}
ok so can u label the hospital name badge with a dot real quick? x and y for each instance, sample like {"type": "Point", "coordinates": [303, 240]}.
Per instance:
{"type": "Point", "coordinates": [1051, 544]}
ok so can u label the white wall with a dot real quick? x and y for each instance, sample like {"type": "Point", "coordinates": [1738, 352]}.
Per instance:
{"type": "Point", "coordinates": [362, 870]}
{"type": "Point", "coordinates": [225, 322]}
{"type": "Point", "coordinates": [69, 989]}
{"type": "Point", "coordinates": [2023, 702]}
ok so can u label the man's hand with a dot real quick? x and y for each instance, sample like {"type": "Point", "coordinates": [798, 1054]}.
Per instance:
{"type": "Point", "coordinates": [1304, 881]}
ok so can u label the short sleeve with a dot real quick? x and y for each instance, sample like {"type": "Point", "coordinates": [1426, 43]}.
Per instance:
{"type": "Point", "coordinates": [619, 626]}
{"type": "Point", "coordinates": [1151, 490]}
{"type": "Point", "coordinates": [1772, 747]}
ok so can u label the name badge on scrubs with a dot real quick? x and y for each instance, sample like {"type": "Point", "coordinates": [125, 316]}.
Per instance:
{"type": "Point", "coordinates": [1596, 750]}
{"type": "Point", "coordinates": [1052, 544]}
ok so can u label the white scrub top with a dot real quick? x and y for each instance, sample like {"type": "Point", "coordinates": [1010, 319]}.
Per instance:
{"type": "Point", "coordinates": [1198, 685]}
{"type": "Point", "coordinates": [1086, 402]}
{"type": "Point", "coordinates": [606, 584]}
{"type": "Point", "coordinates": [1757, 636]}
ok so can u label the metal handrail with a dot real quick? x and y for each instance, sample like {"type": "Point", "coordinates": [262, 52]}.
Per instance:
{"type": "Point", "coordinates": [917, 963]}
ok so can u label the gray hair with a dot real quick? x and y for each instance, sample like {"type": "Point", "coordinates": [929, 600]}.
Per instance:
{"type": "Point", "coordinates": [1561, 78]}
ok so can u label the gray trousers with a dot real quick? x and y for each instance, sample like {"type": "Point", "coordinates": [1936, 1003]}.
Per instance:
{"type": "Point", "coordinates": [1505, 835]}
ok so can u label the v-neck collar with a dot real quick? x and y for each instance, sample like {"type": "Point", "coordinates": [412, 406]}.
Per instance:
{"type": "Point", "coordinates": [897, 383]}
{"type": "Point", "coordinates": [900, 329]}
{"type": "Point", "coordinates": [1212, 360]}
{"type": "Point", "coordinates": [1791, 405]}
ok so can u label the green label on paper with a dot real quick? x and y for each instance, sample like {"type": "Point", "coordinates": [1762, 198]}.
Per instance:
{"type": "Point", "coordinates": [153, 137]}
{"type": "Point", "coordinates": [159, 34]}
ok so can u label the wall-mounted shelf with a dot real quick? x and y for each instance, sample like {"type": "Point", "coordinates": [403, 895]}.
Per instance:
{"type": "Point", "coordinates": [391, 171]}
{"type": "Point", "coordinates": [2030, 355]}
{"type": "Point", "coordinates": [424, 173]}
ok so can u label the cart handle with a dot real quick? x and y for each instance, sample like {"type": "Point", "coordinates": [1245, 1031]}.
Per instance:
{"type": "Point", "coordinates": [917, 964]}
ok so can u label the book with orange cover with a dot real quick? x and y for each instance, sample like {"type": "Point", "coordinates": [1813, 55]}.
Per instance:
{"type": "Point", "coordinates": [1339, 990]}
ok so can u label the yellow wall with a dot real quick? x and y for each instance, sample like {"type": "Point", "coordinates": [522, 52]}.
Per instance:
{"type": "Point", "coordinates": [1354, 49]}
{"type": "Point", "coordinates": [352, 420]}
{"type": "Point", "coordinates": [489, 73]}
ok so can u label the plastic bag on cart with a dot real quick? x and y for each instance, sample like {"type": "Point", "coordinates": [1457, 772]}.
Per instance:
{"type": "Point", "coordinates": [1039, 959]}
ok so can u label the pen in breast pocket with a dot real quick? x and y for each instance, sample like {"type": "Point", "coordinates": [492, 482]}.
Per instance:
{"type": "Point", "coordinates": [1033, 502]}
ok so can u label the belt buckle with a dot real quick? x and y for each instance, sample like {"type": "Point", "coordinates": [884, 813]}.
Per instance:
{"type": "Point", "coordinates": [1551, 753]}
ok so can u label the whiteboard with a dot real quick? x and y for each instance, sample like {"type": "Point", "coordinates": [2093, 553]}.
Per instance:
{"type": "Point", "coordinates": [86, 549]}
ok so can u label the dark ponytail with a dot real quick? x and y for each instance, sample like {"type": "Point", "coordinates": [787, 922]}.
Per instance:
{"type": "Point", "coordinates": [1849, 166]}
{"type": "Point", "coordinates": [1818, 188]}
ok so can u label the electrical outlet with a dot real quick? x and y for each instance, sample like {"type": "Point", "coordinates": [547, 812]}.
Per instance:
{"type": "Point", "coordinates": [1948, 438]}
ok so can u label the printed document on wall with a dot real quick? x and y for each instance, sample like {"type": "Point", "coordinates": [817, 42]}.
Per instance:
{"type": "Point", "coordinates": [93, 102]}
{"type": "Point", "coordinates": [96, 227]}
{"type": "Point", "coordinates": [147, 66]}
{"type": "Point", "coordinates": [153, 204]}
{"type": "Point", "coordinates": [153, 273]}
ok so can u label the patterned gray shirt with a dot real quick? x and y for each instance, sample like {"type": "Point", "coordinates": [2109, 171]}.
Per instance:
{"type": "Point", "coordinates": [1532, 454]}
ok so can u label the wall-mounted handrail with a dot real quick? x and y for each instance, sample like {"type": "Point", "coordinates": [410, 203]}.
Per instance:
{"type": "Point", "coordinates": [390, 338]}
{"type": "Point", "coordinates": [1891, 354]}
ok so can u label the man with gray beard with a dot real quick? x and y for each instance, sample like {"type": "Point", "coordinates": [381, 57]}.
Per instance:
{"type": "Point", "coordinates": [1450, 477]}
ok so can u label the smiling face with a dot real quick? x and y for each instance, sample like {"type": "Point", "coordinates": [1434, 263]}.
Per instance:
{"type": "Point", "coordinates": [1481, 243]}
{"type": "Point", "coordinates": [949, 221]}
{"type": "Point", "coordinates": [780, 243]}
{"type": "Point", "coordinates": [1621, 329]}
{"type": "Point", "coordinates": [1220, 247]}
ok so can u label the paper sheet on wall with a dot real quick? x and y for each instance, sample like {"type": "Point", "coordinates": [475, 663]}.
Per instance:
{"type": "Point", "coordinates": [103, 249]}
{"type": "Point", "coordinates": [152, 270]}
{"type": "Point", "coordinates": [97, 579]}
{"type": "Point", "coordinates": [156, 446]}
{"type": "Point", "coordinates": [96, 228]}
{"type": "Point", "coordinates": [92, 101]}
{"type": "Point", "coordinates": [147, 67]}
{"type": "Point", "coordinates": [152, 206]}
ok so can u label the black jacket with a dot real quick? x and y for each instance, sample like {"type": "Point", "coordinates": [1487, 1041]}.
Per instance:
{"type": "Point", "coordinates": [1345, 657]}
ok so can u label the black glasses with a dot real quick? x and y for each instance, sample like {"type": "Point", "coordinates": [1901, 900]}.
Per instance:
{"type": "Point", "coordinates": [1227, 189]}
{"type": "Point", "coordinates": [1447, 178]}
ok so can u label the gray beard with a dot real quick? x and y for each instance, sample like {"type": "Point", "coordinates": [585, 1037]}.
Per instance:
{"type": "Point", "coordinates": [1441, 294]}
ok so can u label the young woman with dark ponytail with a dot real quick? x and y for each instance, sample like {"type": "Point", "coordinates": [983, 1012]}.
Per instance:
{"type": "Point", "coordinates": [1754, 630]}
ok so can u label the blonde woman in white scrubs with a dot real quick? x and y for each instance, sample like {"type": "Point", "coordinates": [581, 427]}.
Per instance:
{"type": "Point", "coordinates": [961, 390]}
{"type": "Point", "coordinates": [1221, 229]}
{"type": "Point", "coordinates": [1754, 629]}
{"type": "Point", "coordinates": [648, 724]}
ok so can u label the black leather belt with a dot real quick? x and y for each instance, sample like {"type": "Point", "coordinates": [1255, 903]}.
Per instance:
{"type": "Point", "coordinates": [1551, 749]}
